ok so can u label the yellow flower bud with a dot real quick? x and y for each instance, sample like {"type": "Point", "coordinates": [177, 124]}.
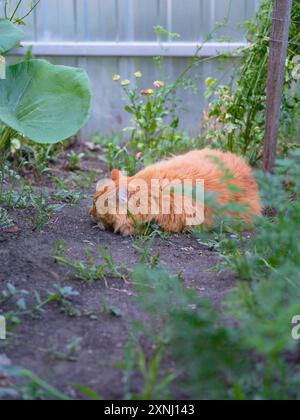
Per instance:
{"type": "Point", "coordinates": [147, 92]}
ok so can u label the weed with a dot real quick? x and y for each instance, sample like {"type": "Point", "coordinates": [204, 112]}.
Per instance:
{"type": "Point", "coordinates": [70, 351]}
{"type": "Point", "coordinates": [26, 155]}
{"type": "Point", "coordinates": [104, 141]}
{"type": "Point", "coordinates": [82, 180]}
{"type": "Point", "coordinates": [31, 386]}
{"type": "Point", "coordinates": [91, 270]}
{"type": "Point", "coordinates": [5, 221]}
{"type": "Point", "coordinates": [120, 157]}
{"type": "Point", "coordinates": [17, 194]}
{"type": "Point", "coordinates": [144, 248]}
{"type": "Point", "coordinates": [112, 310]}
{"type": "Point", "coordinates": [89, 393]}
{"type": "Point", "coordinates": [36, 157]}
{"type": "Point", "coordinates": [220, 240]}
{"type": "Point", "coordinates": [74, 160]}
{"type": "Point", "coordinates": [131, 157]}
{"type": "Point", "coordinates": [156, 385]}
{"type": "Point", "coordinates": [67, 196]}
{"type": "Point", "coordinates": [43, 209]}
{"type": "Point", "coordinates": [146, 230]}
{"type": "Point", "coordinates": [61, 295]}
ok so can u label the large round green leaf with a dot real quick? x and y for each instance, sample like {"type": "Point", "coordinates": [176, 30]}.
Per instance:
{"type": "Point", "coordinates": [44, 102]}
{"type": "Point", "coordinates": [10, 35]}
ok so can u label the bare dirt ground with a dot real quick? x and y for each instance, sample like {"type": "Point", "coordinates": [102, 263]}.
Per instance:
{"type": "Point", "coordinates": [105, 312]}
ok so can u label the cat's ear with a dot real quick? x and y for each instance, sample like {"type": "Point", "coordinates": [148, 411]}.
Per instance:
{"type": "Point", "coordinates": [116, 175]}
{"type": "Point", "coordinates": [123, 194]}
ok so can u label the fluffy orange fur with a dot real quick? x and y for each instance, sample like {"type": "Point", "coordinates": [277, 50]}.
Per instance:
{"type": "Point", "coordinates": [238, 186]}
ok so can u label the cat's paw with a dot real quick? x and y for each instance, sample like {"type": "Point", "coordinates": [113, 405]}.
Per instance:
{"type": "Point", "coordinates": [101, 225]}
{"type": "Point", "coordinates": [126, 230]}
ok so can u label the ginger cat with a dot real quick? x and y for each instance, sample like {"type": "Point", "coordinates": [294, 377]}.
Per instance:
{"type": "Point", "coordinates": [122, 204]}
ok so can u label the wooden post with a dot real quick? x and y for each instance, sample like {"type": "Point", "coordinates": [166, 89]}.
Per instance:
{"type": "Point", "coordinates": [278, 52]}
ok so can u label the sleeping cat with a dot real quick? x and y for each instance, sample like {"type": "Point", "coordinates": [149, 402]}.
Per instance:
{"type": "Point", "coordinates": [123, 204]}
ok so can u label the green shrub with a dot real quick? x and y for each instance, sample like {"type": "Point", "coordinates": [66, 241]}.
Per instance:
{"type": "Point", "coordinates": [238, 111]}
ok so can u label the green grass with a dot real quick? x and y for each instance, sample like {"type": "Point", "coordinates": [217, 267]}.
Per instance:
{"type": "Point", "coordinates": [31, 387]}
{"type": "Point", "coordinates": [90, 270]}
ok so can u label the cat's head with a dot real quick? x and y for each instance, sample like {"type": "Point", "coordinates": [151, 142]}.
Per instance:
{"type": "Point", "coordinates": [109, 209]}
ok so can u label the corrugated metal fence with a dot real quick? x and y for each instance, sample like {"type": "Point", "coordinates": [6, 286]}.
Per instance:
{"type": "Point", "coordinates": [117, 36]}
